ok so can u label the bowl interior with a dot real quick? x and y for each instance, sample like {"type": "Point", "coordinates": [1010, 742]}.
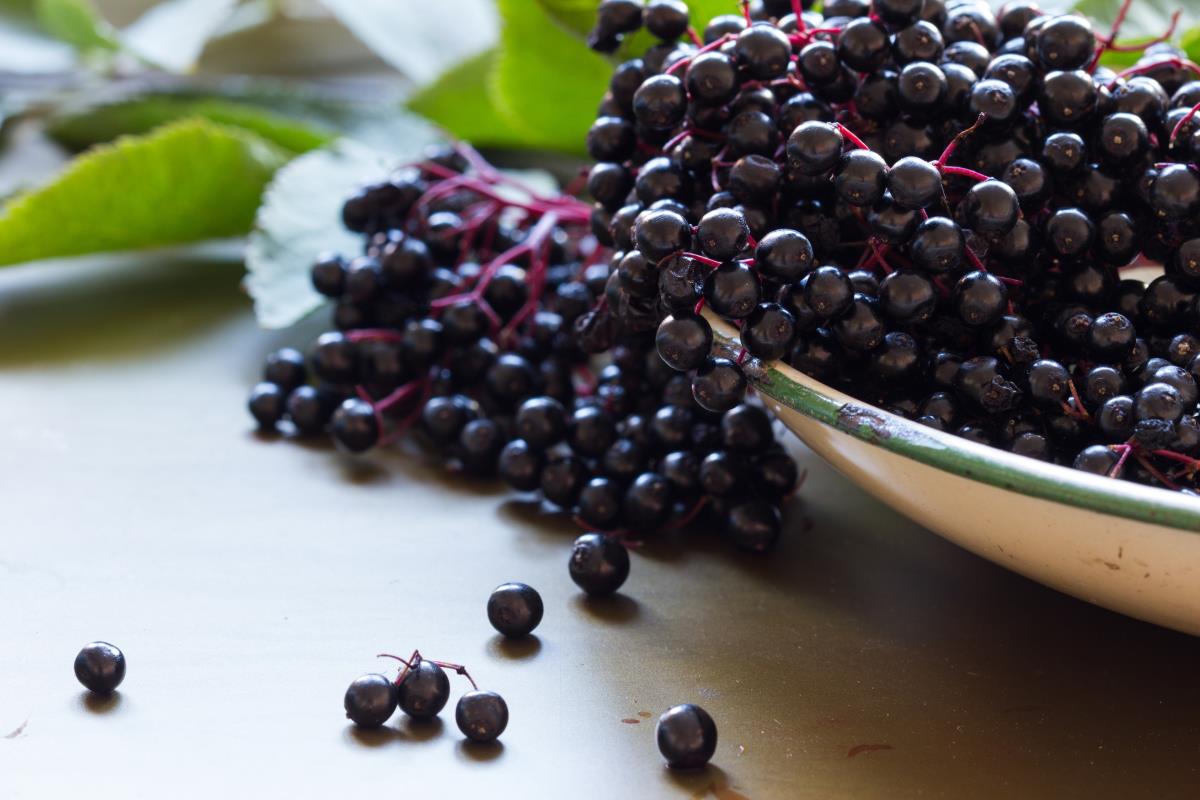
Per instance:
{"type": "Point", "coordinates": [951, 453]}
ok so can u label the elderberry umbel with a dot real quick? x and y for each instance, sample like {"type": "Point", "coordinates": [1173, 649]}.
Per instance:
{"type": "Point", "coordinates": [491, 323]}
{"type": "Point", "coordinates": [932, 206]}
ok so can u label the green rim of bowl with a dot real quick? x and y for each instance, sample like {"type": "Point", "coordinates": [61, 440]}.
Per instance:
{"type": "Point", "coordinates": [956, 455]}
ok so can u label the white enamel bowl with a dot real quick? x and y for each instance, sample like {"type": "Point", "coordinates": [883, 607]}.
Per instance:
{"type": "Point", "coordinates": [1130, 548]}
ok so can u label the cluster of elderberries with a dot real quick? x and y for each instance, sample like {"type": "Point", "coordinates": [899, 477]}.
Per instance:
{"type": "Point", "coordinates": [468, 321]}
{"type": "Point", "coordinates": [421, 691]}
{"type": "Point", "coordinates": [926, 204]}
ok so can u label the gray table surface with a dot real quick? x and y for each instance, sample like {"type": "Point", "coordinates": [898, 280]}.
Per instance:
{"type": "Point", "coordinates": [250, 580]}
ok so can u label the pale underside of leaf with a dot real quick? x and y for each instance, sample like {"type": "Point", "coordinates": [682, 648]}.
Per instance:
{"type": "Point", "coordinates": [184, 183]}
{"type": "Point", "coordinates": [172, 34]}
{"type": "Point", "coordinates": [422, 43]}
{"type": "Point", "coordinates": [300, 219]}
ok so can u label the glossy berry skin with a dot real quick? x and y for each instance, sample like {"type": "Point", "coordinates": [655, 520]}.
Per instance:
{"type": "Point", "coordinates": [711, 78]}
{"type": "Point", "coordinates": [1097, 459]}
{"type": "Point", "coordinates": [763, 52]}
{"type": "Point", "coordinates": [520, 466]}
{"type": "Point", "coordinates": [863, 45]}
{"type": "Point", "coordinates": [541, 422]}
{"type": "Point", "coordinates": [599, 503]}
{"type": "Point", "coordinates": [722, 233]}
{"type": "Point", "coordinates": [769, 331]}
{"type": "Point", "coordinates": [828, 292]}
{"type": "Point", "coordinates": [719, 384]}
{"type": "Point", "coordinates": [684, 342]}
{"type": "Point", "coordinates": [1175, 193]}
{"type": "Point", "coordinates": [754, 525]}
{"type": "Point", "coordinates": [590, 431]}
{"type": "Point", "coordinates": [787, 255]}
{"type": "Point", "coordinates": [100, 667]}
{"type": "Point", "coordinates": [285, 368]}
{"type": "Point", "coordinates": [266, 404]}
{"type": "Point", "coordinates": [481, 716]}
{"type": "Point", "coordinates": [424, 691]}
{"type": "Point", "coordinates": [914, 183]}
{"type": "Point", "coordinates": [329, 275]}
{"type": "Point", "coordinates": [661, 233]}
{"type": "Point", "coordinates": [647, 502]}
{"type": "Point", "coordinates": [938, 245]}
{"type": "Point", "coordinates": [599, 564]}
{"type": "Point", "coordinates": [861, 178]}
{"type": "Point", "coordinates": [907, 297]}
{"type": "Point", "coordinates": [686, 736]}
{"type": "Point", "coordinates": [814, 148]}
{"type": "Point", "coordinates": [515, 609]}
{"type": "Point", "coordinates": [1064, 152]}
{"type": "Point", "coordinates": [563, 479]}
{"type": "Point", "coordinates": [980, 298]}
{"type": "Point", "coordinates": [990, 208]}
{"type": "Point", "coordinates": [660, 101]}
{"type": "Point", "coordinates": [733, 290]}
{"type": "Point", "coordinates": [1111, 337]}
{"type": "Point", "coordinates": [1069, 233]}
{"type": "Point", "coordinates": [1065, 42]}
{"type": "Point", "coordinates": [355, 427]}
{"type": "Point", "coordinates": [1049, 383]}
{"type": "Point", "coordinates": [1067, 98]}
{"type": "Point", "coordinates": [370, 700]}
{"type": "Point", "coordinates": [309, 409]}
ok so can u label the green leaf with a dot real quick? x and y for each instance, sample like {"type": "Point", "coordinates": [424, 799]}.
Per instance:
{"type": "Point", "coordinates": [546, 83]}
{"type": "Point", "coordinates": [78, 23]}
{"type": "Point", "coordinates": [1146, 18]}
{"type": "Point", "coordinates": [1190, 42]}
{"type": "Point", "coordinates": [460, 103]}
{"type": "Point", "coordinates": [173, 33]}
{"type": "Point", "coordinates": [187, 182]}
{"type": "Point", "coordinates": [103, 123]}
{"type": "Point", "coordinates": [575, 15]}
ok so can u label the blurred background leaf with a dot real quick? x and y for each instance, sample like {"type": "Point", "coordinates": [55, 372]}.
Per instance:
{"type": "Point", "coordinates": [173, 33]}
{"type": "Point", "coordinates": [546, 84]}
{"type": "Point", "coordinates": [186, 182]}
{"type": "Point", "coordinates": [82, 129]}
{"type": "Point", "coordinates": [76, 22]}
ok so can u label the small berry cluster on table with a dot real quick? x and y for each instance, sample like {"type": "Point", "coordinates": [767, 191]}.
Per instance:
{"type": "Point", "coordinates": [929, 205]}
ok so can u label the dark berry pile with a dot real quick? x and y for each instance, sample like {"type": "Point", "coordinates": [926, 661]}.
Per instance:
{"type": "Point", "coordinates": [926, 204]}
{"type": "Point", "coordinates": [476, 319]}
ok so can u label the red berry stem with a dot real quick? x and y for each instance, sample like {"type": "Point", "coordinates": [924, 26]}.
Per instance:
{"type": "Point", "coordinates": [459, 668]}
{"type": "Point", "coordinates": [1139, 69]}
{"type": "Point", "coordinates": [954, 143]}
{"type": "Point", "coordinates": [850, 135]}
{"type": "Point", "coordinates": [1163, 479]}
{"type": "Point", "coordinates": [965, 173]}
{"type": "Point", "coordinates": [1179, 125]}
{"type": "Point", "coordinates": [713, 45]}
{"type": "Point", "coordinates": [1125, 450]}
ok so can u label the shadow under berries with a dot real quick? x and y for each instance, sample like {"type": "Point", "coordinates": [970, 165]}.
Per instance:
{"type": "Point", "coordinates": [514, 649]}
{"type": "Point", "coordinates": [114, 309]}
